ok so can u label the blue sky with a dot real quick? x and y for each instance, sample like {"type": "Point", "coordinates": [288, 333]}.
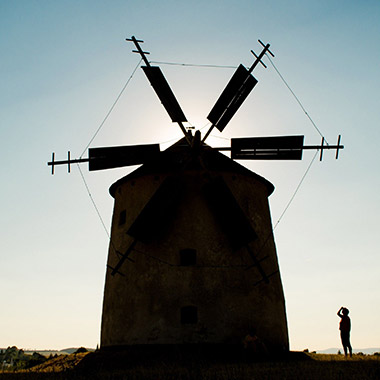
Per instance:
{"type": "Point", "coordinates": [63, 65]}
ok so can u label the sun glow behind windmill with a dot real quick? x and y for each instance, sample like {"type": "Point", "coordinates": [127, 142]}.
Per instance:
{"type": "Point", "coordinates": [233, 96]}
{"type": "Point", "coordinates": [249, 148]}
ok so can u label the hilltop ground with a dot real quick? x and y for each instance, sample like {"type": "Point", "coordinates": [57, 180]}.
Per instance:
{"type": "Point", "coordinates": [182, 365]}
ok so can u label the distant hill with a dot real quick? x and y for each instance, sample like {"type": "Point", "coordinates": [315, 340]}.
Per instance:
{"type": "Point", "coordinates": [70, 350]}
{"type": "Point", "coordinates": [367, 351]}
{"type": "Point", "coordinates": [65, 351]}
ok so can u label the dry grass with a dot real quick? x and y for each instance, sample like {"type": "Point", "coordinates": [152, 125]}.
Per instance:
{"type": "Point", "coordinates": [119, 366]}
{"type": "Point", "coordinates": [60, 363]}
{"type": "Point", "coordinates": [342, 358]}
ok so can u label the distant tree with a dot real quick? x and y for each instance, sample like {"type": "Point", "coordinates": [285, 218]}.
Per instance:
{"type": "Point", "coordinates": [35, 359]}
{"type": "Point", "coordinates": [80, 350]}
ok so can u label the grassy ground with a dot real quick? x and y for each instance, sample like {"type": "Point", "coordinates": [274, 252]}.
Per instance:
{"type": "Point", "coordinates": [122, 365]}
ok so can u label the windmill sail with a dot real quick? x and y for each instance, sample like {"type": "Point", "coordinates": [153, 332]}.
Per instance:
{"type": "Point", "coordinates": [158, 212]}
{"type": "Point", "coordinates": [233, 96]}
{"type": "Point", "coordinates": [228, 213]}
{"type": "Point", "coordinates": [119, 156]}
{"type": "Point", "coordinates": [164, 92]}
{"type": "Point", "coordinates": [267, 148]}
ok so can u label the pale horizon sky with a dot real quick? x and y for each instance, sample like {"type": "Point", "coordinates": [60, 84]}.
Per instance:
{"type": "Point", "coordinates": [63, 65]}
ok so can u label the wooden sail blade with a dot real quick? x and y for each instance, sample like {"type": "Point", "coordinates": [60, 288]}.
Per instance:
{"type": "Point", "coordinates": [233, 96]}
{"type": "Point", "coordinates": [123, 258]}
{"type": "Point", "coordinates": [267, 148]}
{"type": "Point", "coordinates": [244, 91]}
{"type": "Point", "coordinates": [164, 92]}
{"type": "Point", "coordinates": [228, 213]}
{"type": "Point", "coordinates": [119, 156]}
{"type": "Point", "coordinates": [155, 217]}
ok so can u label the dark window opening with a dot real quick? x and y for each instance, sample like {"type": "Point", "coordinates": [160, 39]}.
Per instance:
{"type": "Point", "coordinates": [122, 217]}
{"type": "Point", "coordinates": [189, 314]}
{"type": "Point", "coordinates": [187, 257]}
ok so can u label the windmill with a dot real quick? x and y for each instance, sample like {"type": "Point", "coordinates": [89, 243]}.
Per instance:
{"type": "Point", "coordinates": [192, 257]}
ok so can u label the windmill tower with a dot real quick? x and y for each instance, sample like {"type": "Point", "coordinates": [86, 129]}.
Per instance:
{"type": "Point", "coordinates": [192, 257]}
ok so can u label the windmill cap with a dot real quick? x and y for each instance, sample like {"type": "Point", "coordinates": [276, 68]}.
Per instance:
{"type": "Point", "coordinates": [174, 158]}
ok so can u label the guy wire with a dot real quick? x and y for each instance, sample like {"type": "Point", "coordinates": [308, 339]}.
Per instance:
{"type": "Point", "coordinates": [92, 200]}
{"type": "Point", "coordinates": [296, 98]}
{"type": "Point", "coordinates": [296, 191]}
{"type": "Point", "coordinates": [111, 109]}
{"type": "Point", "coordinates": [287, 206]}
{"type": "Point", "coordinates": [194, 65]}
{"type": "Point", "coordinates": [97, 211]}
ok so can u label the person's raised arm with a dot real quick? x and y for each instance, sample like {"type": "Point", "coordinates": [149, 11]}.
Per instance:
{"type": "Point", "coordinates": [339, 313]}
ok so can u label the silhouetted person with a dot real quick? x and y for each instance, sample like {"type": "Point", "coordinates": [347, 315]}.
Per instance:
{"type": "Point", "coordinates": [345, 328]}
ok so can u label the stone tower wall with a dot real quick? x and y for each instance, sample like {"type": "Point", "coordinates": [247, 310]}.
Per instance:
{"type": "Point", "coordinates": [145, 306]}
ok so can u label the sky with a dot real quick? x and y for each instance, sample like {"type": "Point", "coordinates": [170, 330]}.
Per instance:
{"type": "Point", "coordinates": [64, 64]}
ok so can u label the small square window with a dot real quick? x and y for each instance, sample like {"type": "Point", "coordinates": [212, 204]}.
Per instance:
{"type": "Point", "coordinates": [189, 314]}
{"type": "Point", "coordinates": [187, 257]}
{"type": "Point", "coordinates": [122, 217]}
